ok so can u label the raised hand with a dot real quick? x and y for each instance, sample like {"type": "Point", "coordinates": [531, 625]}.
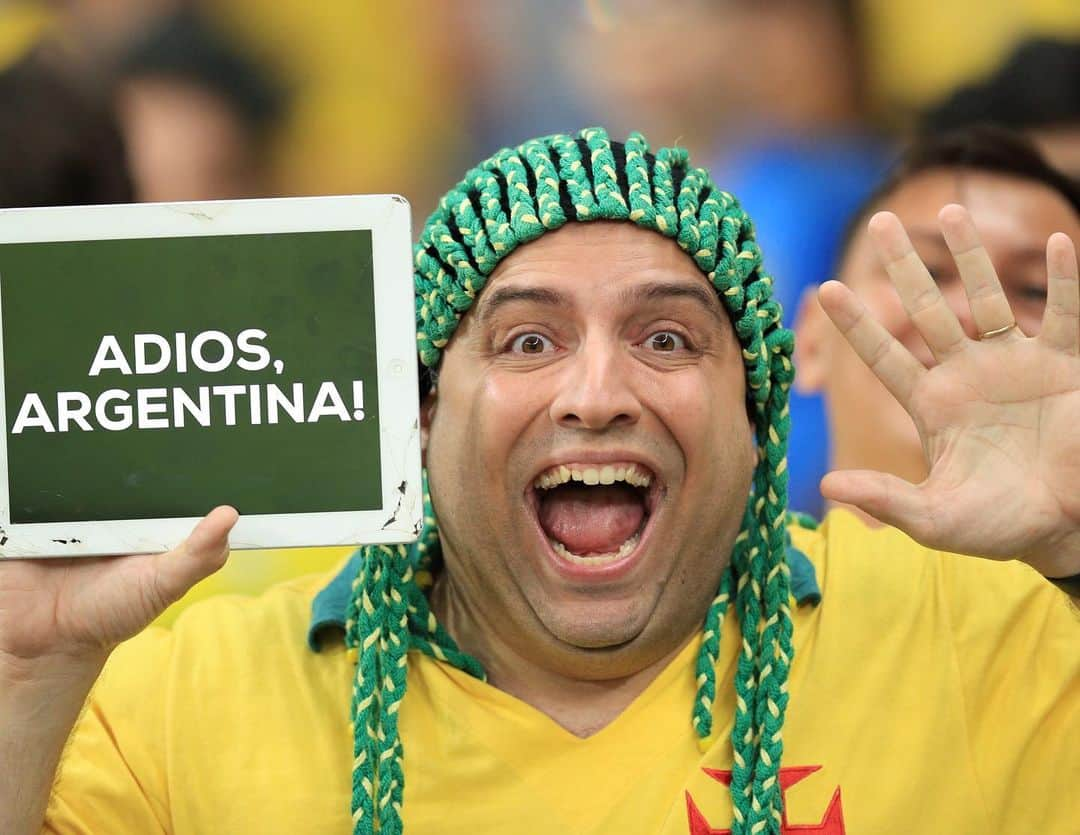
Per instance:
{"type": "Point", "coordinates": [999, 417]}
{"type": "Point", "coordinates": [85, 606]}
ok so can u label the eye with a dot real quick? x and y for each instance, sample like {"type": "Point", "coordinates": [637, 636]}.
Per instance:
{"type": "Point", "coordinates": [665, 341]}
{"type": "Point", "coordinates": [939, 272]}
{"type": "Point", "coordinates": [531, 343]}
{"type": "Point", "coordinates": [1033, 293]}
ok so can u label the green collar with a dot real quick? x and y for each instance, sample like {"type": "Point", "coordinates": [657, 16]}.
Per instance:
{"type": "Point", "coordinates": [329, 606]}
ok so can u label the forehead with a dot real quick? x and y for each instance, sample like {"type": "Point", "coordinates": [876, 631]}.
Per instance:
{"type": "Point", "coordinates": [1007, 209]}
{"type": "Point", "coordinates": [590, 258]}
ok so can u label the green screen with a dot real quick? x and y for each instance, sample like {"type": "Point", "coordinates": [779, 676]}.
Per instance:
{"type": "Point", "coordinates": [311, 293]}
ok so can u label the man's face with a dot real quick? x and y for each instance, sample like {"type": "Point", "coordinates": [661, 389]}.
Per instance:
{"type": "Point", "coordinates": [1014, 218]}
{"type": "Point", "coordinates": [597, 352]}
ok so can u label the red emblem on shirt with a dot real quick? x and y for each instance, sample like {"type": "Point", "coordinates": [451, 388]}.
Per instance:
{"type": "Point", "coordinates": [832, 823]}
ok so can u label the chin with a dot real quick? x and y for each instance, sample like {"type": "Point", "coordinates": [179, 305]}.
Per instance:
{"type": "Point", "coordinates": [588, 631]}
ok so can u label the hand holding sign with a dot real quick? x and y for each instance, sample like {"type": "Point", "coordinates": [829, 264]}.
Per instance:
{"type": "Point", "coordinates": [79, 609]}
{"type": "Point", "coordinates": [59, 619]}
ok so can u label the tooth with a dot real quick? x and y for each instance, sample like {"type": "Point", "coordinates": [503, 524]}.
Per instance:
{"type": "Point", "coordinates": [628, 546]}
{"type": "Point", "coordinates": [590, 476]}
{"type": "Point", "coordinates": [620, 473]}
{"type": "Point", "coordinates": [564, 474]}
{"type": "Point", "coordinates": [637, 477]}
{"type": "Point", "coordinates": [595, 559]}
{"type": "Point", "coordinates": [576, 475]}
{"type": "Point", "coordinates": [607, 475]}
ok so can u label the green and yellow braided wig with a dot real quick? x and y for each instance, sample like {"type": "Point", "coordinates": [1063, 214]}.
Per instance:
{"type": "Point", "coordinates": [510, 199]}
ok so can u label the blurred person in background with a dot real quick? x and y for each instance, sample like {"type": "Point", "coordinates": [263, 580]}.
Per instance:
{"type": "Point", "coordinates": [197, 113]}
{"type": "Point", "coordinates": [520, 81]}
{"type": "Point", "coordinates": [912, 67]}
{"type": "Point", "coordinates": [774, 94]}
{"type": "Point", "coordinates": [59, 141]}
{"type": "Point", "coordinates": [1017, 200]}
{"type": "Point", "coordinates": [1035, 90]}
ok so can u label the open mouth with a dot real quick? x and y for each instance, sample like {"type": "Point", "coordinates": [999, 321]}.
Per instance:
{"type": "Point", "coordinates": [594, 515]}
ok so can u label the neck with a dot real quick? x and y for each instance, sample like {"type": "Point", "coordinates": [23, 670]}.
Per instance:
{"type": "Point", "coordinates": [582, 704]}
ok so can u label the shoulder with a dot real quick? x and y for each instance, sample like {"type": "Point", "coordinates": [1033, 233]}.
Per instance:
{"type": "Point", "coordinates": [850, 555]}
{"type": "Point", "coordinates": [285, 605]}
{"type": "Point", "coordinates": [224, 633]}
{"type": "Point", "coordinates": [883, 568]}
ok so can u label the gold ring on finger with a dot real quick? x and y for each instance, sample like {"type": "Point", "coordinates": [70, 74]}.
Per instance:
{"type": "Point", "coordinates": [997, 331]}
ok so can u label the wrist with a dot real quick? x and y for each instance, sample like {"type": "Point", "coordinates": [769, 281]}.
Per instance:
{"type": "Point", "coordinates": [59, 670]}
{"type": "Point", "coordinates": [1057, 560]}
{"type": "Point", "coordinates": [1069, 584]}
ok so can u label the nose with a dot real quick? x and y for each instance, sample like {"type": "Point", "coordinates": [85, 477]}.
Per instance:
{"type": "Point", "coordinates": [596, 392]}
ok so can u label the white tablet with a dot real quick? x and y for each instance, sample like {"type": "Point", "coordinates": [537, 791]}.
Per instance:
{"type": "Point", "coordinates": [158, 360]}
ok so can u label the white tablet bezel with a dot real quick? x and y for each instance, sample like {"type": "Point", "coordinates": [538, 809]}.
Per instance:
{"type": "Point", "coordinates": [388, 217]}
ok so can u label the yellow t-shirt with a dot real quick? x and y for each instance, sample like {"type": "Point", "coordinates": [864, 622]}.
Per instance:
{"type": "Point", "coordinates": [930, 693]}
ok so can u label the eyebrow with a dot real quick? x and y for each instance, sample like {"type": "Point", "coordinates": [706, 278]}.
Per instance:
{"type": "Point", "coordinates": [502, 296]}
{"type": "Point", "coordinates": [652, 291]}
{"type": "Point", "coordinates": [668, 290]}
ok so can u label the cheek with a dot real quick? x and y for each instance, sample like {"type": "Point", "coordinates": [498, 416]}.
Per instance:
{"type": "Point", "coordinates": [706, 414]}
{"type": "Point", "coordinates": [482, 415]}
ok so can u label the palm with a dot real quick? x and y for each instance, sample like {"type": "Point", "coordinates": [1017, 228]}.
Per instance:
{"type": "Point", "coordinates": [998, 418]}
{"type": "Point", "coordinates": [87, 605]}
{"type": "Point", "coordinates": [1000, 436]}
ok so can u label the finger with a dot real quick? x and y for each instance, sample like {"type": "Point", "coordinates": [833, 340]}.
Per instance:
{"type": "Point", "coordinates": [1061, 319]}
{"type": "Point", "coordinates": [990, 308]}
{"type": "Point", "coordinates": [922, 300]}
{"type": "Point", "coordinates": [890, 361]}
{"type": "Point", "coordinates": [885, 497]}
{"type": "Point", "coordinates": [197, 557]}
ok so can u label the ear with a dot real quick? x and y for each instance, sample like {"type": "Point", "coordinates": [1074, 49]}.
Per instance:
{"type": "Point", "coordinates": [427, 414]}
{"type": "Point", "coordinates": [811, 335]}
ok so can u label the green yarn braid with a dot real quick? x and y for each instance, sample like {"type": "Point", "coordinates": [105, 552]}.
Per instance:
{"type": "Point", "coordinates": [510, 199]}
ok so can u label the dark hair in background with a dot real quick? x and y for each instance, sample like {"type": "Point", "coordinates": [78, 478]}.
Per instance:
{"type": "Point", "coordinates": [1038, 86]}
{"type": "Point", "coordinates": [184, 47]}
{"type": "Point", "coordinates": [59, 143]}
{"type": "Point", "coordinates": [987, 148]}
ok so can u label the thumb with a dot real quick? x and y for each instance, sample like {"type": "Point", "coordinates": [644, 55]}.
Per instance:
{"type": "Point", "coordinates": [886, 497]}
{"type": "Point", "coordinates": [197, 557]}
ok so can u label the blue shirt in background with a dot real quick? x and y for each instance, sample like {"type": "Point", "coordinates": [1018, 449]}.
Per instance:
{"type": "Point", "coordinates": [801, 193]}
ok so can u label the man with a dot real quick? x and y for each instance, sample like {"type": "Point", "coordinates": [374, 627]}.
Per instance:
{"type": "Point", "coordinates": [1036, 89]}
{"type": "Point", "coordinates": [198, 114]}
{"type": "Point", "coordinates": [59, 144]}
{"type": "Point", "coordinates": [605, 449]}
{"type": "Point", "coordinates": [1016, 200]}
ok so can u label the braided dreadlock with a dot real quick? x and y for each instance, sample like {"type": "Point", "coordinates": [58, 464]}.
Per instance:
{"type": "Point", "coordinates": [510, 199]}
